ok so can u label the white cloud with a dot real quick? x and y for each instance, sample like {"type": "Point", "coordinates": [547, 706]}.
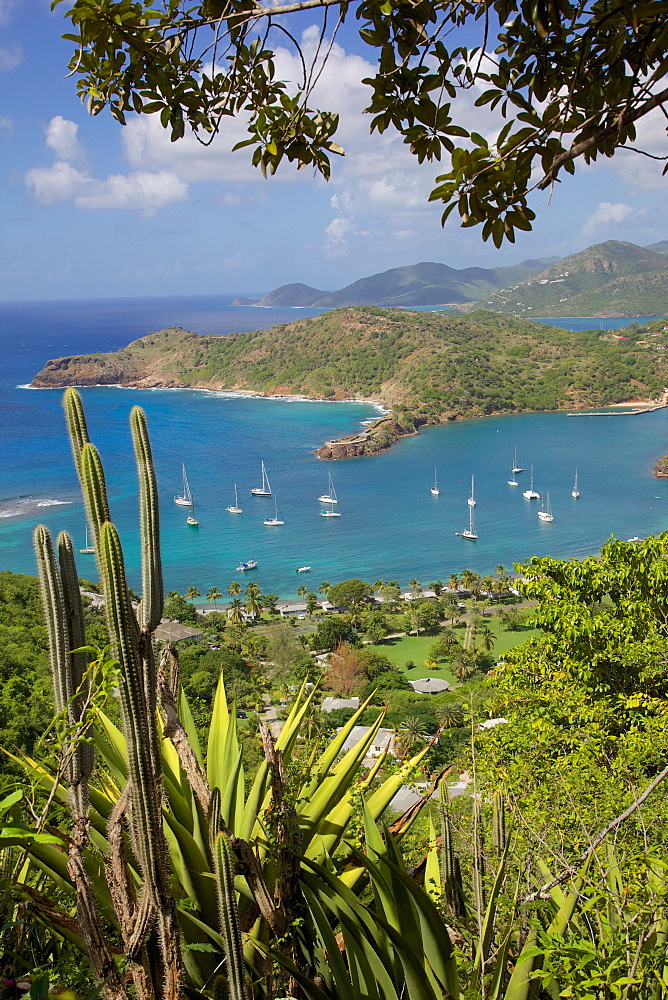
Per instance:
{"type": "Point", "coordinates": [638, 171]}
{"type": "Point", "coordinates": [143, 191]}
{"type": "Point", "coordinates": [61, 182]}
{"type": "Point", "coordinates": [61, 137]}
{"type": "Point", "coordinates": [10, 56]}
{"type": "Point", "coordinates": [605, 214]}
{"type": "Point", "coordinates": [6, 8]}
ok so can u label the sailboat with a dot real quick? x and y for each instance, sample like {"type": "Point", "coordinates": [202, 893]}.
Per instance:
{"type": "Point", "coordinates": [472, 500]}
{"type": "Point", "coordinates": [330, 495]}
{"type": "Point", "coordinates": [89, 550]}
{"type": "Point", "coordinates": [469, 532]}
{"type": "Point", "coordinates": [329, 513]}
{"type": "Point", "coordinates": [435, 490]}
{"type": "Point", "coordinates": [191, 519]}
{"type": "Point", "coordinates": [513, 481]}
{"type": "Point", "coordinates": [575, 493]}
{"type": "Point", "coordinates": [234, 508]}
{"type": "Point", "coordinates": [247, 563]}
{"type": "Point", "coordinates": [275, 519]}
{"type": "Point", "coordinates": [531, 494]}
{"type": "Point", "coordinates": [546, 513]}
{"type": "Point", "coordinates": [185, 499]}
{"type": "Point", "coordinates": [265, 489]}
{"type": "Point", "coordinates": [516, 467]}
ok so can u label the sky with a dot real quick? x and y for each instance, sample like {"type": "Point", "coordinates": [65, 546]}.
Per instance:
{"type": "Point", "coordinates": [93, 209]}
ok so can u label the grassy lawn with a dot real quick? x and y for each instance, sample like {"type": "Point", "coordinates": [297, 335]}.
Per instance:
{"type": "Point", "coordinates": [416, 648]}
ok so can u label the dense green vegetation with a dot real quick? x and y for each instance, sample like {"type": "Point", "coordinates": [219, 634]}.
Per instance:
{"type": "Point", "coordinates": [609, 279]}
{"type": "Point", "coordinates": [179, 857]}
{"type": "Point", "coordinates": [429, 367]}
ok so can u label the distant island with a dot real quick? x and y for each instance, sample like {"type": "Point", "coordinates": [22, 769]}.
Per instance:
{"type": "Point", "coordinates": [609, 279]}
{"type": "Point", "coordinates": [422, 368]}
{"type": "Point", "coordinates": [425, 284]}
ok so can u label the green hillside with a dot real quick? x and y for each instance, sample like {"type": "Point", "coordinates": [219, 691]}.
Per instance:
{"type": "Point", "coordinates": [609, 279]}
{"type": "Point", "coordinates": [435, 366]}
{"type": "Point", "coordinates": [422, 284]}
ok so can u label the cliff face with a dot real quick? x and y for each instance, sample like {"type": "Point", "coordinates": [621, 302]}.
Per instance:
{"type": "Point", "coordinates": [160, 359]}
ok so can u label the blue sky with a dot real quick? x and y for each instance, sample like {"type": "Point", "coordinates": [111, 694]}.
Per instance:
{"type": "Point", "coordinates": [91, 209]}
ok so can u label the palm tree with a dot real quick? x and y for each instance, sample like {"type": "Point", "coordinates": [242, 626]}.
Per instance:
{"type": "Point", "coordinates": [234, 612]}
{"type": "Point", "coordinates": [416, 588]}
{"type": "Point", "coordinates": [486, 637]}
{"type": "Point", "coordinates": [234, 588]}
{"type": "Point", "coordinates": [378, 586]}
{"type": "Point", "coordinates": [463, 668]}
{"type": "Point", "coordinates": [191, 594]}
{"type": "Point", "coordinates": [252, 597]}
{"type": "Point", "coordinates": [436, 586]}
{"type": "Point", "coordinates": [302, 591]}
{"type": "Point", "coordinates": [453, 581]}
{"type": "Point", "coordinates": [213, 595]}
{"type": "Point", "coordinates": [469, 579]}
{"type": "Point", "coordinates": [411, 734]}
{"type": "Point", "coordinates": [311, 602]}
{"type": "Point", "coordinates": [324, 587]}
{"type": "Point", "coordinates": [450, 715]}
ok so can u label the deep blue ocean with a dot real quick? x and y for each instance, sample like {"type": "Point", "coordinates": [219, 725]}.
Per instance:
{"type": "Point", "coordinates": [391, 526]}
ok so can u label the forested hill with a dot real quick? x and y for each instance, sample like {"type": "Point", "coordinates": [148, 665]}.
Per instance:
{"type": "Point", "coordinates": [424, 284]}
{"type": "Point", "coordinates": [609, 279]}
{"type": "Point", "coordinates": [435, 365]}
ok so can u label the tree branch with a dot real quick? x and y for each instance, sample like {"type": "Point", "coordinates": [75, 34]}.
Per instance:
{"type": "Point", "coordinates": [627, 118]}
{"type": "Point", "coordinates": [598, 839]}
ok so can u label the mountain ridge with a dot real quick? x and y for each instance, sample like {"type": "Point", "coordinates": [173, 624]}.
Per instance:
{"type": "Point", "coordinates": [426, 283]}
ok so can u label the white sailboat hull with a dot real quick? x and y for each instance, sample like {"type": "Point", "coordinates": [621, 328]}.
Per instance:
{"type": "Point", "coordinates": [251, 564]}
{"type": "Point", "coordinates": [273, 520]}
{"type": "Point", "coordinates": [235, 510]}
{"type": "Point", "coordinates": [531, 495]}
{"type": "Point", "coordinates": [575, 494]}
{"type": "Point", "coordinates": [469, 534]}
{"type": "Point", "coordinates": [329, 513]}
{"type": "Point", "coordinates": [327, 499]}
{"type": "Point", "coordinates": [182, 501]}
{"type": "Point", "coordinates": [435, 492]}
{"type": "Point", "coordinates": [258, 492]}
{"type": "Point", "coordinates": [513, 482]}
{"type": "Point", "coordinates": [544, 516]}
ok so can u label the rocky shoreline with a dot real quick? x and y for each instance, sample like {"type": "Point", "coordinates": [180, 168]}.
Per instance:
{"type": "Point", "coordinates": [661, 468]}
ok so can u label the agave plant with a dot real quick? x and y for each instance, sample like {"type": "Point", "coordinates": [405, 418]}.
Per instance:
{"type": "Point", "coordinates": [174, 878]}
{"type": "Point", "coordinates": [169, 855]}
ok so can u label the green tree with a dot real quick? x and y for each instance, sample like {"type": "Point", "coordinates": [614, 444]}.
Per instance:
{"type": "Point", "coordinates": [213, 595]}
{"type": "Point", "coordinates": [348, 593]}
{"type": "Point", "coordinates": [311, 602]}
{"type": "Point", "coordinates": [191, 594]}
{"type": "Point", "coordinates": [253, 599]}
{"type": "Point", "coordinates": [411, 734]}
{"type": "Point", "coordinates": [437, 587]}
{"type": "Point", "coordinates": [177, 609]}
{"type": "Point", "coordinates": [324, 587]}
{"type": "Point", "coordinates": [416, 588]}
{"type": "Point", "coordinates": [235, 612]}
{"type": "Point", "coordinates": [234, 588]}
{"type": "Point", "coordinates": [571, 81]}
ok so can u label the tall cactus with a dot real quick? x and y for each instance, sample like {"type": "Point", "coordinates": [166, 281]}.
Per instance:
{"type": "Point", "coordinates": [229, 919]}
{"type": "Point", "coordinates": [61, 600]}
{"type": "Point", "coordinates": [499, 833]}
{"type": "Point", "coordinates": [451, 875]}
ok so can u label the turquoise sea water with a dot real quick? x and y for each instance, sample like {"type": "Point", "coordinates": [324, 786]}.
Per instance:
{"type": "Point", "coordinates": [391, 526]}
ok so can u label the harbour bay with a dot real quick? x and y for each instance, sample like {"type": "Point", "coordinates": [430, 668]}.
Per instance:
{"type": "Point", "coordinates": [391, 526]}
